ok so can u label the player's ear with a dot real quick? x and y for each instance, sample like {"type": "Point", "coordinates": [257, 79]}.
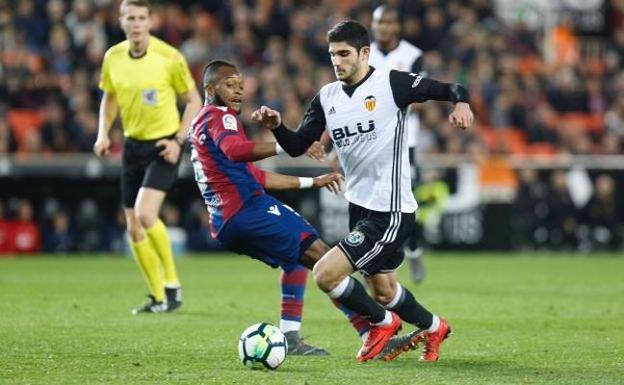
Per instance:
{"type": "Point", "coordinates": [210, 91]}
{"type": "Point", "coordinates": [364, 53]}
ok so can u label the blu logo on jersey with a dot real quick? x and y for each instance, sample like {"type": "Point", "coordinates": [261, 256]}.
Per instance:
{"type": "Point", "coordinates": [347, 136]}
{"type": "Point", "coordinates": [346, 131]}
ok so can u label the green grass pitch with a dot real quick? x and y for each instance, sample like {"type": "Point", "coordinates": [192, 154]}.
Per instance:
{"type": "Point", "coordinates": [517, 319]}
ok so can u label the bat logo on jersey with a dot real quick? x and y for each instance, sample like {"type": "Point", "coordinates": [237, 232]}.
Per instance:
{"type": "Point", "coordinates": [370, 103]}
{"type": "Point", "coordinates": [354, 238]}
{"type": "Point", "coordinates": [150, 97]}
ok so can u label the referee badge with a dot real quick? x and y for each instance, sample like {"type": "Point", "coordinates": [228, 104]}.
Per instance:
{"type": "Point", "coordinates": [370, 103]}
{"type": "Point", "coordinates": [355, 238]}
{"type": "Point", "coordinates": [150, 97]}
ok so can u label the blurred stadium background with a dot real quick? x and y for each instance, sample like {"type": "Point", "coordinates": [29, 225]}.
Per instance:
{"type": "Point", "coordinates": [541, 169]}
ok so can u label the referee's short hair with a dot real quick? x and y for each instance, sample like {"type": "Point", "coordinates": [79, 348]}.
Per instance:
{"type": "Point", "coordinates": [352, 32]}
{"type": "Point", "coordinates": [136, 3]}
{"type": "Point", "coordinates": [211, 68]}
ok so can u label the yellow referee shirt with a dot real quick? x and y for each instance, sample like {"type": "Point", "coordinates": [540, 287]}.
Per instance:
{"type": "Point", "coordinates": [146, 87]}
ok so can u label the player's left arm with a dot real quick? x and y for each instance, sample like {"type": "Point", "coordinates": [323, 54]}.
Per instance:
{"type": "Point", "coordinates": [410, 88]}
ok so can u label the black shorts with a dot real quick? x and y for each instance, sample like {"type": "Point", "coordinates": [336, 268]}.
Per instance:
{"type": "Point", "coordinates": [143, 167]}
{"type": "Point", "coordinates": [375, 243]}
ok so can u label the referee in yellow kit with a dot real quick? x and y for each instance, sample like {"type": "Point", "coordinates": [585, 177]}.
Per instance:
{"type": "Point", "coordinates": [141, 77]}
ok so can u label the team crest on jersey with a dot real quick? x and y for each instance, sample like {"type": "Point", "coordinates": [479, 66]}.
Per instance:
{"type": "Point", "coordinates": [370, 103]}
{"type": "Point", "coordinates": [229, 122]}
{"type": "Point", "coordinates": [355, 238]}
{"type": "Point", "coordinates": [150, 97]}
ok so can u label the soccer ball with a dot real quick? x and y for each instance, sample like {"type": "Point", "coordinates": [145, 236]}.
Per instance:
{"type": "Point", "coordinates": [262, 346]}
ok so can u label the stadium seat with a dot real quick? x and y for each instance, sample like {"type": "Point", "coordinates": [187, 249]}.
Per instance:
{"type": "Point", "coordinates": [22, 121]}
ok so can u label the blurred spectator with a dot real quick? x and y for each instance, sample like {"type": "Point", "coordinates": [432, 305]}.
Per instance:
{"type": "Point", "coordinates": [602, 216]}
{"type": "Point", "coordinates": [113, 239]}
{"type": "Point", "coordinates": [25, 234]}
{"type": "Point", "coordinates": [59, 238]}
{"type": "Point", "coordinates": [529, 210]}
{"type": "Point", "coordinates": [88, 225]}
{"type": "Point", "coordinates": [562, 218]}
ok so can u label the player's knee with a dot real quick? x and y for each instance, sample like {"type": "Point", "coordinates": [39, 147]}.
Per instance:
{"type": "Point", "coordinates": [323, 277]}
{"type": "Point", "coordinates": [135, 233]}
{"type": "Point", "coordinates": [146, 219]}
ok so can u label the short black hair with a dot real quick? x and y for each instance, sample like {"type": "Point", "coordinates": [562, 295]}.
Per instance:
{"type": "Point", "coordinates": [352, 32]}
{"type": "Point", "coordinates": [383, 9]}
{"type": "Point", "coordinates": [211, 68]}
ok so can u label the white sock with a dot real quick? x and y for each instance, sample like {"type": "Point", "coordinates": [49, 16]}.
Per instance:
{"type": "Point", "coordinates": [386, 321]}
{"type": "Point", "coordinates": [289, 326]}
{"type": "Point", "coordinates": [435, 324]}
{"type": "Point", "coordinates": [364, 336]}
{"type": "Point", "coordinates": [340, 289]}
{"type": "Point", "coordinates": [413, 254]}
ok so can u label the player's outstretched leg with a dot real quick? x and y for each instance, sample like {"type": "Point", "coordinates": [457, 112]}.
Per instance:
{"type": "Point", "coordinates": [331, 275]}
{"type": "Point", "coordinates": [293, 286]}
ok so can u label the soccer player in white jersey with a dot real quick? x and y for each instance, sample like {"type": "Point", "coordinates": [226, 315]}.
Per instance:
{"type": "Point", "coordinates": [364, 113]}
{"type": "Point", "coordinates": [389, 52]}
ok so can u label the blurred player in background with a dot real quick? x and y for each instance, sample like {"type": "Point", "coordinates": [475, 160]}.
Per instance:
{"type": "Point", "coordinates": [364, 112]}
{"type": "Point", "coordinates": [141, 78]}
{"type": "Point", "coordinates": [389, 52]}
{"type": "Point", "coordinates": [243, 217]}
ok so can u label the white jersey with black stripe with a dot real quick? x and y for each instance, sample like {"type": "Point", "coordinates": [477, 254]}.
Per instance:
{"type": "Point", "coordinates": [405, 57]}
{"type": "Point", "coordinates": [367, 130]}
{"type": "Point", "coordinates": [366, 123]}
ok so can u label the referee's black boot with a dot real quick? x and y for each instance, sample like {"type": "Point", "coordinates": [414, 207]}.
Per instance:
{"type": "Point", "coordinates": [174, 298]}
{"type": "Point", "coordinates": [152, 306]}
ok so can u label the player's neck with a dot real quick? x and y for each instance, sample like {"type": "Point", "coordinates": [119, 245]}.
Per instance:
{"type": "Point", "coordinates": [389, 46]}
{"type": "Point", "coordinates": [359, 75]}
{"type": "Point", "coordinates": [139, 48]}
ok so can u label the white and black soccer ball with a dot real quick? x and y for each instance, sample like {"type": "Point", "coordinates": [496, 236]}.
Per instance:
{"type": "Point", "coordinates": [262, 346]}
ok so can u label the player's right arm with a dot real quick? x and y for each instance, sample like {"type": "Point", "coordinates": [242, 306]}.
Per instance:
{"type": "Point", "coordinates": [295, 143]}
{"type": "Point", "coordinates": [226, 132]}
{"type": "Point", "coordinates": [107, 115]}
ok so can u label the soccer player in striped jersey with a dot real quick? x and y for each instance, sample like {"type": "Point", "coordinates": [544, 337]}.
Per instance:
{"type": "Point", "coordinates": [142, 78]}
{"type": "Point", "coordinates": [389, 52]}
{"type": "Point", "coordinates": [242, 216]}
{"type": "Point", "coordinates": [364, 113]}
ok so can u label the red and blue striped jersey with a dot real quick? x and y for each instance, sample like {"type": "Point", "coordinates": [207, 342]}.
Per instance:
{"type": "Point", "coordinates": [225, 184]}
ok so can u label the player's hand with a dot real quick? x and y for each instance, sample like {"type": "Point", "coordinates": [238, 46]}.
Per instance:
{"type": "Point", "coordinates": [267, 118]}
{"type": "Point", "coordinates": [332, 181]}
{"type": "Point", "coordinates": [316, 151]}
{"type": "Point", "coordinates": [101, 146]}
{"type": "Point", "coordinates": [169, 150]}
{"type": "Point", "coordinates": [461, 116]}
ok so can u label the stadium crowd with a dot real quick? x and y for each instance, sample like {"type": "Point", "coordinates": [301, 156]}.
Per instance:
{"type": "Point", "coordinates": [533, 92]}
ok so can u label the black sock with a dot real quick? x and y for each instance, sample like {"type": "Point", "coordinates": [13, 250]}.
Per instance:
{"type": "Point", "coordinates": [356, 299]}
{"type": "Point", "coordinates": [411, 311]}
